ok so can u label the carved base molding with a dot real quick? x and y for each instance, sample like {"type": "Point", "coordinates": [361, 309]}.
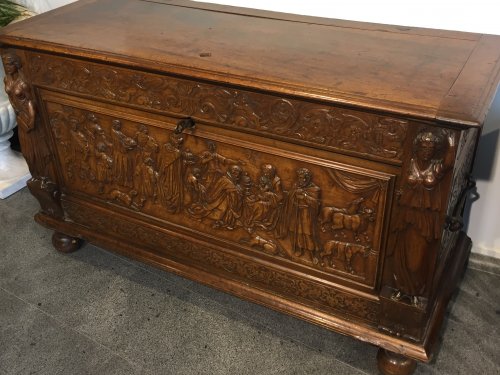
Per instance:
{"type": "Point", "coordinates": [225, 263]}
{"type": "Point", "coordinates": [400, 317]}
{"type": "Point", "coordinates": [420, 351]}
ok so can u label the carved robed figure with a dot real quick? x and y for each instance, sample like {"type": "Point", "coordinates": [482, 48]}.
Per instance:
{"type": "Point", "coordinates": [419, 223]}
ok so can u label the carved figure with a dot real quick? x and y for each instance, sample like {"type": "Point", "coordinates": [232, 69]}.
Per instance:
{"type": "Point", "coordinates": [224, 201]}
{"type": "Point", "coordinates": [146, 144]}
{"type": "Point", "coordinates": [146, 181]}
{"type": "Point", "coordinates": [194, 186]}
{"type": "Point", "coordinates": [263, 209]}
{"type": "Point", "coordinates": [21, 99]}
{"type": "Point", "coordinates": [123, 164]}
{"type": "Point", "coordinates": [170, 169]}
{"type": "Point", "coordinates": [214, 164]}
{"type": "Point", "coordinates": [269, 171]}
{"type": "Point", "coordinates": [95, 131]}
{"type": "Point", "coordinates": [19, 92]}
{"type": "Point", "coordinates": [418, 225]}
{"type": "Point", "coordinates": [300, 215]}
{"type": "Point", "coordinates": [81, 150]}
{"type": "Point", "coordinates": [104, 165]}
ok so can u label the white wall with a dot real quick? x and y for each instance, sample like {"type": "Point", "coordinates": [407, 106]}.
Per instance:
{"type": "Point", "coordinates": [40, 6]}
{"type": "Point", "coordinates": [474, 16]}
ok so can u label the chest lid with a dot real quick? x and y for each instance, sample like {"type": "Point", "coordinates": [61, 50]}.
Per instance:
{"type": "Point", "coordinates": [439, 75]}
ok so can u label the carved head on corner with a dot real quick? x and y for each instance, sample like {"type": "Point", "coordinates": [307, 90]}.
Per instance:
{"type": "Point", "coordinates": [11, 63]}
{"type": "Point", "coordinates": [427, 144]}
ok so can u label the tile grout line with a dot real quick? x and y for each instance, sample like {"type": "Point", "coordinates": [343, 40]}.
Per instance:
{"type": "Point", "coordinates": [65, 325]}
{"type": "Point", "coordinates": [358, 371]}
{"type": "Point", "coordinates": [484, 271]}
{"type": "Point", "coordinates": [270, 328]}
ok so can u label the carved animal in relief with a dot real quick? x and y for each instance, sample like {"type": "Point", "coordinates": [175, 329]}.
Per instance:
{"type": "Point", "coordinates": [354, 218]}
{"type": "Point", "coordinates": [343, 251]}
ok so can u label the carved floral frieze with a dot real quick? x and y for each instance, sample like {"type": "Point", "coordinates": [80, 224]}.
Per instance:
{"type": "Point", "coordinates": [325, 126]}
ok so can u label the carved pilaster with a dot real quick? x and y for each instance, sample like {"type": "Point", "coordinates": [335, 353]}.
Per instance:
{"type": "Point", "coordinates": [416, 232]}
{"type": "Point", "coordinates": [420, 214]}
{"type": "Point", "coordinates": [31, 136]}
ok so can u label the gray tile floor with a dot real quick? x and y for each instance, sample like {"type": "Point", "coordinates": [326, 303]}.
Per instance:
{"type": "Point", "coordinates": [93, 312]}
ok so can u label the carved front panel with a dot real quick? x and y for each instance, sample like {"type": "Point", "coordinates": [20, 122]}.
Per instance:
{"type": "Point", "coordinates": [324, 126]}
{"type": "Point", "coordinates": [313, 213]}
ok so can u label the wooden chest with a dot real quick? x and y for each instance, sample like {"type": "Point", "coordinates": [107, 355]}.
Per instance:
{"type": "Point", "coordinates": [315, 166]}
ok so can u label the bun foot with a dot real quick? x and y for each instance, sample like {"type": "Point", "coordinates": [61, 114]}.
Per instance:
{"type": "Point", "coordinates": [390, 363]}
{"type": "Point", "coordinates": [65, 243]}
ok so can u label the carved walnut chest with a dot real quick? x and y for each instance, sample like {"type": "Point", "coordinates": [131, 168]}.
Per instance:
{"type": "Point", "coordinates": [318, 167]}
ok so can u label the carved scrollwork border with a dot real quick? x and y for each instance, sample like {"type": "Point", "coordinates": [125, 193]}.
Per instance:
{"type": "Point", "coordinates": [323, 126]}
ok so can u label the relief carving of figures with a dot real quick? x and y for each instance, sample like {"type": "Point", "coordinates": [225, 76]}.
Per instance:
{"type": "Point", "coordinates": [300, 216]}
{"type": "Point", "coordinates": [195, 187]}
{"type": "Point", "coordinates": [123, 165]}
{"type": "Point", "coordinates": [146, 181]}
{"type": "Point", "coordinates": [215, 164]}
{"type": "Point", "coordinates": [95, 131]}
{"type": "Point", "coordinates": [418, 225]}
{"type": "Point", "coordinates": [81, 151]}
{"type": "Point", "coordinates": [146, 145]}
{"type": "Point", "coordinates": [224, 200]}
{"type": "Point", "coordinates": [104, 165]}
{"type": "Point", "coordinates": [241, 195]}
{"type": "Point", "coordinates": [170, 168]}
{"type": "Point", "coordinates": [264, 209]}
